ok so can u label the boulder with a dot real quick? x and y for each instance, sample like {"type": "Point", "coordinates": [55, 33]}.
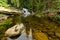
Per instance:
{"type": "Point", "coordinates": [15, 30]}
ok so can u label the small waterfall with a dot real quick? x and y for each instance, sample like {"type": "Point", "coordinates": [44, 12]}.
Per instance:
{"type": "Point", "coordinates": [26, 12]}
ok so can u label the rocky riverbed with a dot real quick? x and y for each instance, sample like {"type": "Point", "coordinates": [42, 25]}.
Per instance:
{"type": "Point", "coordinates": [43, 28]}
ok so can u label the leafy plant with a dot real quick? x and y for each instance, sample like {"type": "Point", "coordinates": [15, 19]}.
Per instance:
{"type": "Point", "coordinates": [3, 3]}
{"type": "Point", "coordinates": [3, 26]}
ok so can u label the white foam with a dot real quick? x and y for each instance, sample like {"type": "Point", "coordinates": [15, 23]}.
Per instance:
{"type": "Point", "coordinates": [26, 12]}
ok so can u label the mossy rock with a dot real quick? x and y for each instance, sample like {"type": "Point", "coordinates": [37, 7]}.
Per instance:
{"type": "Point", "coordinates": [3, 27]}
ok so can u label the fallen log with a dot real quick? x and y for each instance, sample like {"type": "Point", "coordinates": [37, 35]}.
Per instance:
{"type": "Point", "coordinates": [11, 10]}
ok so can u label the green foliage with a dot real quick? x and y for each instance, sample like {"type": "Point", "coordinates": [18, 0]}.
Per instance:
{"type": "Point", "coordinates": [58, 17]}
{"type": "Point", "coordinates": [15, 3]}
{"type": "Point", "coordinates": [22, 4]}
{"type": "Point", "coordinates": [35, 5]}
{"type": "Point", "coordinates": [6, 22]}
{"type": "Point", "coordinates": [3, 3]}
{"type": "Point", "coordinates": [3, 26]}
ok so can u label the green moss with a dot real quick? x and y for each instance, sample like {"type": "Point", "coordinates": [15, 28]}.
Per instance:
{"type": "Point", "coordinates": [3, 26]}
{"type": "Point", "coordinates": [6, 22]}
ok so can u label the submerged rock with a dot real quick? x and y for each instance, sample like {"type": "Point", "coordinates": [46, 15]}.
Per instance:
{"type": "Point", "coordinates": [57, 32]}
{"type": "Point", "coordinates": [38, 35]}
